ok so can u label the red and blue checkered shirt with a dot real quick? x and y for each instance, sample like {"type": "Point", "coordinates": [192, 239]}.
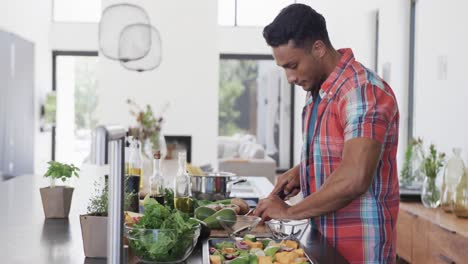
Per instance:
{"type": "Point", "coordinates": [355, 103]}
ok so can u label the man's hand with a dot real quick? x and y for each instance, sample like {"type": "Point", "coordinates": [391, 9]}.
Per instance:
{"type": "Point", "coordinates": [272, 207]}
{"type": "Point", "coordinates": [288, 182]}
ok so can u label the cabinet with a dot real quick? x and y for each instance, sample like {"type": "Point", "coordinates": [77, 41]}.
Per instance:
{"type": "Point", "coordinates": [430, 235]}
{"type": "Point", "coordinates": [16, 105]}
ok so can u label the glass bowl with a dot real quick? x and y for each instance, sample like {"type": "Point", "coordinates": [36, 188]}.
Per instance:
{"type": "Point", "coordinates": [162, 246]}
{"type": "Point", "coordinates": [287, 229]}
{"type": "Point", "coordinates": [242, 225]}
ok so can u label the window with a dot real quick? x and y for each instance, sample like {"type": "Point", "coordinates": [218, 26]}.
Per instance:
{"type": "Point", "coordinates": [75, 80]}
{"type": "Point", "coordinates": [88, 11]}
{"type": "Point", "coordinates": [255, 98]}
{"type": "Point", "coordinates": [246, 12]}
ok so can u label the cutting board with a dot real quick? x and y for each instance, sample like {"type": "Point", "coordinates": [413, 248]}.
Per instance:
{"type": "Point", "coordinates": [260, 230]}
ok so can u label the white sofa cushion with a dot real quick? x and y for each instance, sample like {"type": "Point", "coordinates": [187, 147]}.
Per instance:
{"type": "Point", "coordinates": [256, 151]}
{"type": "Point", "coordinates": [228, 147]}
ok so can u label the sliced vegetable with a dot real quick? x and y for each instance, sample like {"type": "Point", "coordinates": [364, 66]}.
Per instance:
{"type": "Point", "coordinates": [271, 251]}
{"type": "Point", "coordinates": [203, 212]}
{"type": "Point", "coordinates": [224, 244]}
{"type": "Point", "coordinates": [226, 214]}
{"type": "Point", "coordinates": [250, 237]}
{"type": "Point", "coordinates": [242, 245]}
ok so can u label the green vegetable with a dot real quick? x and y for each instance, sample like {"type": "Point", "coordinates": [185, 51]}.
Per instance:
{"type": "Point", "coordinates": [227, 201]}
{"type": "Point", "coordinates": [266, 242]}
{"type": "Point", "coordinates": [271, 250]}
{"type": "Point", "coordinates": [226, 214]}
{"type": "Point", "coordinates": [200, 203]}
{"type": "Point", "coordinates": [202, 213]}
{"type": "Point", "coordinates": [253, 259]}
{"type": "Point", "coordinates": [250, 237]}
{"type": "Point", "coordinates": [240, 260]}
{"type": "Point", "coordinates": [169, 198]}
{"type": "Point", "coordinates": [175, 236]}
{"type": "Point", "coordinates": [225, 244]}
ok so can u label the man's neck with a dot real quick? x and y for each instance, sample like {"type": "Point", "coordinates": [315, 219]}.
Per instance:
{"type": "Point", "coordinates": [331, 60]}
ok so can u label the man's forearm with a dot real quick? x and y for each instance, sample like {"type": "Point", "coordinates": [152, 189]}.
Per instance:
{"type": "Point", "coordinates": [336, 193]}
{"type": "Point", "coordinates": [350, 180]}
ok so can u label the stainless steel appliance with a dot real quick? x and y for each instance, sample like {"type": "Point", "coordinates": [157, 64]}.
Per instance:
{"type": "Point", "coordinates": [108, 147]}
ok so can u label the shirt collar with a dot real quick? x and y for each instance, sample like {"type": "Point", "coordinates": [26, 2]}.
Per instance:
{"type": "Point", "coordinates": [328, 86]}
{"type": "Point", "coordinates": [347, 58]}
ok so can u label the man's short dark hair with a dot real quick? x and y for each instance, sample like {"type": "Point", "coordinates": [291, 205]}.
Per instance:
{"type": "Point", "coordinates": [296, 22]}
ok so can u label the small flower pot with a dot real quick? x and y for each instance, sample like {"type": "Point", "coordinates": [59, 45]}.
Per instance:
{"type": "Point", "coordinates": [94, 232]}
{"type": "Point", "coordinates": [56, 201]}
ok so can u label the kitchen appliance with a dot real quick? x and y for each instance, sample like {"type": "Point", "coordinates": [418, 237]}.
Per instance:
{"type": "Point", "coordinates": [214, 185]}
{"type": "Point", "coordinates": [108, 147]}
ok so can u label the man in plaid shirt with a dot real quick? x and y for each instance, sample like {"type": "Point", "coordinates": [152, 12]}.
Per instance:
{"type": "Point", "coordinates": [348, 170]}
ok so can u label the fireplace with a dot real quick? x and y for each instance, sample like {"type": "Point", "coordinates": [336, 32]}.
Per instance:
{"type": "Point", "coordinates": [177, 144]}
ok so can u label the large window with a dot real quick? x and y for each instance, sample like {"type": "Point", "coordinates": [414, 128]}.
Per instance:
{"type": "Point", "coordinates": [85, 11]}
{"type": "Point", "coordinates": [75, 81]}
{"type": "Point", "coordinates": [246, 12]}
{"type": "Point", "coordinates": [255, 98]}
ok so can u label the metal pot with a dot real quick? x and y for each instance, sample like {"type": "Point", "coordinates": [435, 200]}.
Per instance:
{"type": "Point", "coordinates": [213, 186]}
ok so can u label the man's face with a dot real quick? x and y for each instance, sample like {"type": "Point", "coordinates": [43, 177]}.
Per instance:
{"type": "Point", "coordinates": [303, 65]}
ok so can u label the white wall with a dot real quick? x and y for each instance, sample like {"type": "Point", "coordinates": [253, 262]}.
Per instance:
{"type": "Point", "coordinates": [187, 77]}
{"type": "Point", "coordinates": [74, 36]}
{"type": "Point", "coordinates": [394, 52]}
{"type": "Point", "coordinates": [31, 20]}
{"type": "Point", "coordinates": [242, 40]}
{"type": "Point", "coordinates": [440, 101]}
{"type": "Point", "coordinates": [354, 29]}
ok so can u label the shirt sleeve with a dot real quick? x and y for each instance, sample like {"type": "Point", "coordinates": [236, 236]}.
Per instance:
{"type": "Point", "coordinates": [367, 111]}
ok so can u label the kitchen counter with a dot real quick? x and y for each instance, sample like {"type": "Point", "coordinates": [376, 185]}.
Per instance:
{"type": "Point", "coordinates": [27, 237]}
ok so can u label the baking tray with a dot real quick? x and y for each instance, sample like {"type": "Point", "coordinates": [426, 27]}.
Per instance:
{"type": "Point", "coordinates": [212, 241]}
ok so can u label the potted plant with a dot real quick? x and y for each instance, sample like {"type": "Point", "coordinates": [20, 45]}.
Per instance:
{"type": "Point", "coordinates": [431, 166]}
{"type": "Point", "coordinates": [56, 200]}
{"type": "Point", "coordinates": [94, 222]}
{"type": "Point", "coordinates": [148, 129]}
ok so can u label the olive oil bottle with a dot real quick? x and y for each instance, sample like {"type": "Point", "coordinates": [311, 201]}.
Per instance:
{"type": "Point", "coordinates": [182, 200]}
{"type": "Point", "coordinates": [156, 181]}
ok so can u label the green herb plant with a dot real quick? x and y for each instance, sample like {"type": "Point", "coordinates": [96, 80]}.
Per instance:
{"type": "Point", "coordinates": [431, 165]}
{"type": "Point", "coordinates": [407, 176]}
{"type": "Point", "coordinates": [99, 202]}
{"type": "Point", "coordinates": [61, 171]}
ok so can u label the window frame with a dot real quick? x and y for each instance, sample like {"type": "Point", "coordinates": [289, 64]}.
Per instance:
{"type": "Point", "coordinates": [237, 56]}
{"type": "Point", "coordinates": [55, 54]}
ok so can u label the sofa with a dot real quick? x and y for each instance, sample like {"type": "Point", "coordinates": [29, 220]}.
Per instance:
{"type": "Point", "coordinates": [242, 155]}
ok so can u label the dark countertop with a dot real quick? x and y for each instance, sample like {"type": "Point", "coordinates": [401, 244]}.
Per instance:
{"type": "Point", "coordinates": [27, 237]}
{"type": "Point", "coordinates": [315, 245]}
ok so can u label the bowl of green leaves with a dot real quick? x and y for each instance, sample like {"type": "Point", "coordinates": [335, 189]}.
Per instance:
{"type": "Point", "coordinates": [162, 235]}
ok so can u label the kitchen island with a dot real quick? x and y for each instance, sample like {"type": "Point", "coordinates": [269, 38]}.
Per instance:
{"type": "Point", "coordinates": [27, 237]}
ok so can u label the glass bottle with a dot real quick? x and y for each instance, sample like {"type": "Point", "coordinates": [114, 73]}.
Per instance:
{"type": "Point", "coordinates": [460, 205]}
{"type": "Point", "coordinates": [134, 175]}
{"type": "Point", "coordinates": [156, 181]}
{"type": "Point", "coordinates": [182, 200]}
{"type": "Point", "coordinates": [430, 194]}
{"type": "Point", "coordinates": [453, 171]}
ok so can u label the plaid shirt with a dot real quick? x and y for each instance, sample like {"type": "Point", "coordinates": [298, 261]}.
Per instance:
{"type": "Point", "coordinates": [355, 103]}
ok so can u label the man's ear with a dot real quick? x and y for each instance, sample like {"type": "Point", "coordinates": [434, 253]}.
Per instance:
{"type": "Point", "coordinates": [319, 49]}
